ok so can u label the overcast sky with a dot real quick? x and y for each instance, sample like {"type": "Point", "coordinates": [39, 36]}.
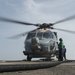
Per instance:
{"type": "Point", "coordinates": [34, 11]}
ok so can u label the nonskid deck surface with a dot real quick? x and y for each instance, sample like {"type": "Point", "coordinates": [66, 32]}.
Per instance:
{"type": "Point", "coordinates": [68, 63]}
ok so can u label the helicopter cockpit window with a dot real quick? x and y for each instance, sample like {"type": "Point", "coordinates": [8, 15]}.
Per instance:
{"type": "Point", "coordinates": [47, 35]}
{"type": "Point", "coordinates": [31, 35]}
{"type": "Point", "coordinates": [39, 35]}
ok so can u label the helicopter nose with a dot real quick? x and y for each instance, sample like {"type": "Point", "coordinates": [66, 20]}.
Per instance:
{"type": "Point", "coordinates": [35, 44]}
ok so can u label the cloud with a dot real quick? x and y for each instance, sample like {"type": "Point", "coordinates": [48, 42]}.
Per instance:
{"type": "Point", "coordinates": [33, 11]}
{"type": "Point", "coordinates": [57, 3]}
{"type": "Point", "coordinates": [31, 5]}
{"type": "Point", "coordinates": [45, 8]}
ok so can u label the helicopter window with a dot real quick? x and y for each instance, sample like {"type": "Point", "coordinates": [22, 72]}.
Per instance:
{"type": "Point", "coordinates": [47, 35]}
{"type": "Point", "coordinates": [31, 35]}
{"type": "Point", "coordinates": [39, 35]}
{"type": "Point", "coordinates": [51, 35]}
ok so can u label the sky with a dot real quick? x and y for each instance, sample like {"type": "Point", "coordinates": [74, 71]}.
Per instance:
{"type": "Point", "coordinates": [34, 11]}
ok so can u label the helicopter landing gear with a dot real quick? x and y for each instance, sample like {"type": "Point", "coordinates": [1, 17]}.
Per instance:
{"type": "Point", "coordinates": [29, 58]}
{"type": "Point", "coordinates": [48, 58]}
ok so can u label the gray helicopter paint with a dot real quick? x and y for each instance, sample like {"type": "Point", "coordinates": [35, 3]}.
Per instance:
{"type": "Point", "coordinates": [46, 44]}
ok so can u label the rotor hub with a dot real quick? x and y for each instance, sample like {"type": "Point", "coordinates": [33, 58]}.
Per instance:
{"type": "Point", "coordinates": [45, 25]}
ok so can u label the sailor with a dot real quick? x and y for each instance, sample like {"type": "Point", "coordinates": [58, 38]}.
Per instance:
{"type": "Point", "coordinates": [60, 47]}
{"type": "Point", "coordinates": [64, 52]}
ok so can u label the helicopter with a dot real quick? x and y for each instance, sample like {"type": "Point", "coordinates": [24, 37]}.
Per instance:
{"type": "Point", "coordinates": [42, 41]}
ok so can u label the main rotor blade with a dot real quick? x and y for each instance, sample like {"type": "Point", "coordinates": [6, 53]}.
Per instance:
{"type": "Point", "coordinates": [69, 31]}
{"type": "Point", "coordinates": [66, 19]}
{"type": "Point", "coordinates": [20, 35]}
{"type": "Point", "coordinates": [15, 21]}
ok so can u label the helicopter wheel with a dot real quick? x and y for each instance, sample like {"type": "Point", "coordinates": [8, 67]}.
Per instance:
{"type": "Point", "coordinates": [48, 58]}
{"type": "Point", "coordinates": [28, 58]}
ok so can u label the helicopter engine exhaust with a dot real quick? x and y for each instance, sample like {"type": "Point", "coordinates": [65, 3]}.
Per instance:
{"type": "Point", "coordinates": [35, 44]}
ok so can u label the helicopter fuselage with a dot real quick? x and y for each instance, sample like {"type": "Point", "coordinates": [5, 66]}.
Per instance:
{"type": "Point", "coordinates": [41, 43]}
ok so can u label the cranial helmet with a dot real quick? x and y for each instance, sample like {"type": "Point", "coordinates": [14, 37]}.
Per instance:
{"type": "Point", "coordinates": [60, 39]}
